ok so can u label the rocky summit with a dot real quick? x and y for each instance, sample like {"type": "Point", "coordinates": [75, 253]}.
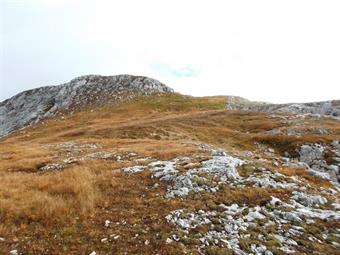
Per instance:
{"type": "Point", "coordinates": [34, 105]}
{"type": "Point", "coordinates": [121, 165]}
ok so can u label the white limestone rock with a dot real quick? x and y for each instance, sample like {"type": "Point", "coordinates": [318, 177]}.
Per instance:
{"type": "Point", "coordinates": [133, 169]}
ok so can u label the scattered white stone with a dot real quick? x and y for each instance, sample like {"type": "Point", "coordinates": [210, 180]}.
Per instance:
{"type": "Point", "coordinates": [269, 181]}
{"type": "Point", "coordinates": [107, 223]}
{"type": "Point", "coordinates": [287, 250]}
{"type": "Point", "coordinates": [318, 213]}
{"type": "Point", "coordinates": [104, 240]}
{"type": "Point", "coordinates": [275, 201]}
{"type": "Point", "coordinates": [191, 220]}
{"type": "Point", "coordinates": [285, 240]}
{"type": "Point", "coordinates": [310, 221]}
{"type": "Point", "coordinates": [271, 150]}
{"type": "Point", "coordinates": [319, 174]}
{"type": "Point", "coordinates": [258, 249]}
{"type": "Point", "coordinates": [247, 154]}
{"type": "Point", "coordinates": [308, 200]}
{"type": "Point", "coordinates": [143, 159]}
{"type": "Point", "coordinates": [98, 155]}
{"type": "Point", "coordinates": [254, 216]}
{"type": "Point", "coordinates": [114, 236]}
{"type": "Point", "coordinates": [290, 216]}
{"type": "Point", "coordinates": [133, 169]}
{"type": "Point", "coordinates": [164, 170]}
{"type": "Point", "coordinates": [52, 166]}
{"type": "Point", "coordinates": [336, 206]}
{"type": "Point", "coordinates": [132, 154]}
{"type": "Point", "coordinates": [176, 238]}
{"type": "Point", "coordinates": [168, 241]}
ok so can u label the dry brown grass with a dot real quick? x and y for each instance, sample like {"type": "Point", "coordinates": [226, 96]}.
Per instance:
{"type": "Point", "coordinates": [22, 156]}
{"type": "Point", "coordinates": [47, 198]}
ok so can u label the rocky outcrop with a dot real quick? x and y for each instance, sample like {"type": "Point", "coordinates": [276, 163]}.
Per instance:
{"type": "Point", "coordinates": [326, 108]}
{"type": "Point", "coordinates": [33, 105]}
{"type": "Point", "coordinates": [322, 161]}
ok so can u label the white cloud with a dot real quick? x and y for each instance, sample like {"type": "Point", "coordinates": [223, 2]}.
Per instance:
{"type": "Point", "coordinates": [267, 50]}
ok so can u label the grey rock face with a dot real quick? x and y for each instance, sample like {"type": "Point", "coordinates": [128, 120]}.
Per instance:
{"type": "Point", "coordinates": [326, 108]}
{"type": "Point", "coordinates": [31, 106]}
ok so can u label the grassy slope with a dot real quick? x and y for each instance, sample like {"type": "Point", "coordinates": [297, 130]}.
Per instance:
{"type": "Point", "coordinates": [64, 211]}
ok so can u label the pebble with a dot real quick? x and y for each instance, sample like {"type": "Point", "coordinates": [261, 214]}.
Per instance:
{"type": "Point", "coordinates": [114, 236]}
{"type": "Point", "coordinates": [107, 223]}
{"type": "Point", "coordinates": [168, 241]}
{"type": "Point", "coordinates": [104, 240]}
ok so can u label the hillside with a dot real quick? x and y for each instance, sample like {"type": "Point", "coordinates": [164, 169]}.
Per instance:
{"type": "Point", "coordinates": [31, 106]}
{"type": "Point", "coordinates": [164, 173]}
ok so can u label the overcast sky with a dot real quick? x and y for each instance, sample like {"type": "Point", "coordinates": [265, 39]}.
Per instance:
{"type": "Point", "coordinates": [268, 50]}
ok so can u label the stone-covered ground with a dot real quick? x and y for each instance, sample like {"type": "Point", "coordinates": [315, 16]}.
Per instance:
{"type": "Point", "coordinates": [287, 225]}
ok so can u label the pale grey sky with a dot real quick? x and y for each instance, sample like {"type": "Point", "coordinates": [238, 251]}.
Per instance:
{"type": "Point", "coordinates": [268, 50]}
